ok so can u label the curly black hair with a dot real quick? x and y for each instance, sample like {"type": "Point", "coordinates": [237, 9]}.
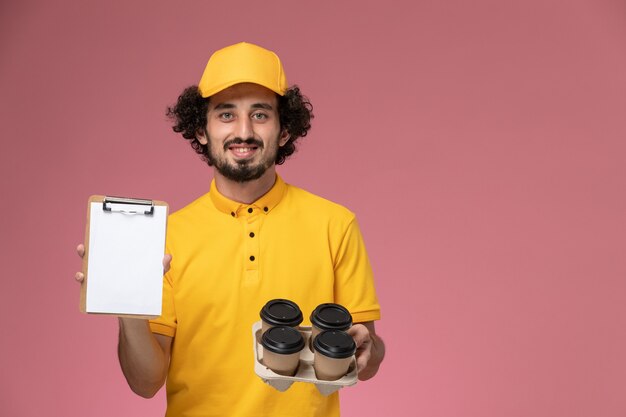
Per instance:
{"type": "Point", "coordinates": [189, 115]}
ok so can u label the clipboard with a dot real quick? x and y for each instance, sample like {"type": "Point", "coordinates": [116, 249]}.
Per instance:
{"type": "Point", "coordinates": [123, 261]}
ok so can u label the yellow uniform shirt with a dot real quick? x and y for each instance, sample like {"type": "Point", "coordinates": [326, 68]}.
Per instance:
{"type": "Point", "coordinates": [229, 259]}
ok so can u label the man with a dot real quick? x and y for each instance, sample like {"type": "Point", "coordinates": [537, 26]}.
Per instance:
{"type": "Point", "coordinates": [250, 239]}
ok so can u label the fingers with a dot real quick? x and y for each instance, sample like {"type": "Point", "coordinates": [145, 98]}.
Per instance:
{"type": "Point", "coordinates": [361, 336]}
{"type": "Point", "coordinates": [359, 333]}
{"type": "Point", "coordinates": [362, 358]}
{"type": "Point", "coordinates": [80, 250]}
{"type": "Point", "coordinates": [166, 262]}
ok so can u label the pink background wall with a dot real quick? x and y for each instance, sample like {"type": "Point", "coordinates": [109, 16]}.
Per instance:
{"type": "Point", "coordinates": [481, 144]}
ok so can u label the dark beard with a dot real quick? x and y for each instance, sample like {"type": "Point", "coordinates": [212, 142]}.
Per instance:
{"type": "Point", "coordinates": [242, 171]}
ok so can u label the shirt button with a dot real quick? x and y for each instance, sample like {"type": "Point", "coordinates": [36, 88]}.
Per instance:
{"type": "Point", "coordinates": [251, 234]}
{"type": "Point", "coordinates": [265, 209]}
{"type": "Point", "coordinates": [232, 213]}
{"type": "Point", "coordinates": [252, 258]}
{"type": "Point", "coordinates": [250, 210]}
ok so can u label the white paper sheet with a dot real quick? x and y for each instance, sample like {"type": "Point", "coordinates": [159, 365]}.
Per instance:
{"type": "Point", "coordinates": [125, 269]}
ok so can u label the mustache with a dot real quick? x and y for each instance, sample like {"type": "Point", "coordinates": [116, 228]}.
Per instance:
{"type": "Point", "coordinates": [239, 141]}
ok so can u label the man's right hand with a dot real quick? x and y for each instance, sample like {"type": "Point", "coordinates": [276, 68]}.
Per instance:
{"type": "Point", "coordinates": [80, 249]}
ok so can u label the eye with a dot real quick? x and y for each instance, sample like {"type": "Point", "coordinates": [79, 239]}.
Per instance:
{"type": "Point", "coordinates": [226, 116]}
{"type": "Point", "coordinates": [259, 116]}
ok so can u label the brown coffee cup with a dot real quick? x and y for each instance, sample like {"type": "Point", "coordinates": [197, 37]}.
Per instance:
{"type": "Point", "coordinates": [330, 316]}
{"type": "Point", "coordinates": [280, 312]}
{"type": "Point", "coordinates": [333, 351]}
{"type": "Point", "coordinates": [281, 349]}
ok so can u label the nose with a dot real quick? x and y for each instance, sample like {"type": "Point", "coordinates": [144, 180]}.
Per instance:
{"type": "Point", "coordinates": [244, 128]}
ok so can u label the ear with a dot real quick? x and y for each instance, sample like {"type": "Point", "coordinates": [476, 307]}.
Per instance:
{"type": "Point", "coordinates": [284, 137]}
{"type": "Point", "coordinates": [201, 136]}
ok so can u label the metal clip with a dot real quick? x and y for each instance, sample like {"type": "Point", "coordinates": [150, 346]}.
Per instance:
{"type": "Point", "coordinates": [108, 202]}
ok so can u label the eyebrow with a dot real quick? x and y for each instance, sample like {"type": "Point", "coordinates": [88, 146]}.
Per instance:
{"type": "Point", "coordinates": [221, 106]}
{"type": "Point", "coordinates": [224, 106]}
{"type": "Point", "coordinates": [265, 106]}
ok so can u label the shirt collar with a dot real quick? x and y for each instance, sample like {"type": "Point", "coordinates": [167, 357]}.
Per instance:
{"type": "Point", "coordinates": [264, 204]}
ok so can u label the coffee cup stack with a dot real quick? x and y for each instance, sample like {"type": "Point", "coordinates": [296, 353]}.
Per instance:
{"type": "Point", "coordinates": [332, 347]}
{"type": "Point", "coordinates": [282, 341]}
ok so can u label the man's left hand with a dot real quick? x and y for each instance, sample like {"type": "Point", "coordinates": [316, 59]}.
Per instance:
{"type": "Point", "coordinates": [370, 349]}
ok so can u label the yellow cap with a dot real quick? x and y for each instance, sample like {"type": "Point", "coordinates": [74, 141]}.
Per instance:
{"type": "Point", "coordinates": [242, 63]}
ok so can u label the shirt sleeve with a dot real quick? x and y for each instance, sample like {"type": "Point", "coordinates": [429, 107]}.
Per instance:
{"type": "Point", "coordinates": [354, 281]}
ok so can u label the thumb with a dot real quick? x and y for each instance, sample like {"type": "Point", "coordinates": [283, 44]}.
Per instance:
{"type": "Point", "coordinates": [166, 262]}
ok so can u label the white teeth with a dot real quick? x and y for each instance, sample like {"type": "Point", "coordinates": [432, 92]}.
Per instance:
{"type": "Point", "coordinates": [242, 150]}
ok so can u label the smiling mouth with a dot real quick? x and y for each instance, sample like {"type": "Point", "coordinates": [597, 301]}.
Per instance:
{"type": "Point", "coordinates": [243, 151]}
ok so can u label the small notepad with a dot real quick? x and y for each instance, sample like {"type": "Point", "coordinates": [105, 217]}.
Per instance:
{"type": "Point", "coordinates": [125, 244]}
